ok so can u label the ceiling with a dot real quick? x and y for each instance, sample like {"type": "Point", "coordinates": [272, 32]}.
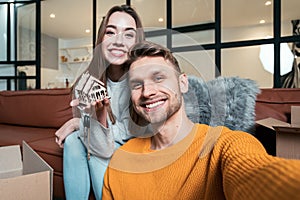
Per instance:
{"type": "Point", "coordinates": [73, 17]}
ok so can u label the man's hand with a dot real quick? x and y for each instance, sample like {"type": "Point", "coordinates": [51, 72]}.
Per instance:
{"type": "Point", "coordinates": [68, 128]}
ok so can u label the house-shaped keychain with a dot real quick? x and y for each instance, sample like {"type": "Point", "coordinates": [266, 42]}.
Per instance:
{"type": "Point", "coordinates": [89, 89]}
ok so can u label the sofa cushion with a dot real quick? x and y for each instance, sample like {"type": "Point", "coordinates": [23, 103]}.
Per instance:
{"type": "Point", "coordinates": [276, 103]}
{"type": "Point", "coordinates": [40, 108]}
{"type": "Point", "coordinates": [11, 135]}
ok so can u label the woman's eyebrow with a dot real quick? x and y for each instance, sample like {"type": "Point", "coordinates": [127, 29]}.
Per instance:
{"type": "Point", "coordinates": [111, 26]}
{"type": "Point", "coordinates": [129, 29]}
{"type": "Point", "coordinates": [126, 29]}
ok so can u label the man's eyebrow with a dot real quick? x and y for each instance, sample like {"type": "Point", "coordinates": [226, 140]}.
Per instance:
{"type": "Point", "coordinates": [115, 27]}
{"type": "Point", "coordinates": [158, 72]}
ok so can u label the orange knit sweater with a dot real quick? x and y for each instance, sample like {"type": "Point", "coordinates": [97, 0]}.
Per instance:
{"type": "Point", "coordinates": [238, 167]}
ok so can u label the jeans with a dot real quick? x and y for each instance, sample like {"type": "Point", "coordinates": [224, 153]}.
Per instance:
{"type": "Point", "coordinates": [79, 172]}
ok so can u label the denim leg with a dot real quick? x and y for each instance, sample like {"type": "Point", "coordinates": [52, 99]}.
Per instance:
{"type": "Point", "coordinates": [76, 170]}
{"type": "Point", "coordinates": [97, 170]}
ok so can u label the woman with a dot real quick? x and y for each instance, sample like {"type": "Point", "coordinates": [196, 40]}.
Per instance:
{"type": "Point", "coordinates": [119, 30]}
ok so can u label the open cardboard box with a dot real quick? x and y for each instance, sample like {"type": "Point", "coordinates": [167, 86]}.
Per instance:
{"type": "Point", "coordinates": [287, 135]}
{"type": "Point", "coordinates": [30, 179]}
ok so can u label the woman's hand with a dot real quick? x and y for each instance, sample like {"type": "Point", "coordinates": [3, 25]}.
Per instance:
{"type": "Point", "coordinates": [101, 110]}
{"type": "Point", "coordinates": [68, 128]}
{"type": "Point", "coordinates": [98, 109]}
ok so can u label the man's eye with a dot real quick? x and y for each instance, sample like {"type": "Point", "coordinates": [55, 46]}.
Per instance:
{"type": "Point", "coordinates": [158, 78]}
{"type": "Point", "coordinates": [136, 86]}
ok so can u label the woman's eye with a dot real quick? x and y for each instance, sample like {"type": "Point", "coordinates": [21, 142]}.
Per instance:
{"type": "Point", "coordinates": [109, 33]}
{"type": "Point", "coordinates": [129, 34]}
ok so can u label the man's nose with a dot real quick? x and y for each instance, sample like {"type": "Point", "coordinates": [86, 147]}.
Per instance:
{"type": "Point", "coordinates": [149, 89]}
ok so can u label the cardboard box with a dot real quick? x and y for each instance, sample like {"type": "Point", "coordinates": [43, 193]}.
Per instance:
{"type": "Point", "coordinates": [287, 135]}
{"type": "Point", "coordinates": [30, 179]}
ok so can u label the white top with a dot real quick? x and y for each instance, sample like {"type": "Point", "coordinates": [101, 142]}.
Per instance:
{"type": "Point", "coordinates": [101, 140]}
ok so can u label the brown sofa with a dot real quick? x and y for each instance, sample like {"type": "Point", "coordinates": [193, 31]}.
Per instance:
{"type": "Point", "coordinates": [35, 115]}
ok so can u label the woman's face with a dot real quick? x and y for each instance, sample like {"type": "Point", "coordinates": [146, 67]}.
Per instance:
{"type": "Point", "coordinates": [120, 35]}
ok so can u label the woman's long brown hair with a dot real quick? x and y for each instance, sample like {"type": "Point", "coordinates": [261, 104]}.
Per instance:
{"type": "Point", "coordinates": [98, 66]}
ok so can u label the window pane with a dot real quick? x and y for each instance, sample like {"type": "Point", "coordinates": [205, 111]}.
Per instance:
{"type": "Point", "coordinates": [192, 12]}
{"type": "Point", "coordinates": [8, 71]}
{"type": "Point", "coordinates": [162, 40]}
{"type": "Point", "coordinates": [23, 83]}
{"type": "Point", "coordinates": [289, 64]}
{"type": "Point", "coordinates": [245, 63]}
{"type": "Point", "coordinates": [3, 32]}
{"type": "Point", "coordinates": [152, 13]}
{"type": "Point", "coordinates": [197, 63]}
{"type": "Point", "coordinates": [193, 38]}
{"type": "Point", "coordinates": [289, 12]}
{"type": "Point", "coordinates": [3, 85]}
{"type": "Point", "coordinates": [246, 20]}
{"type": "Point", "coordinates": [26, 32]}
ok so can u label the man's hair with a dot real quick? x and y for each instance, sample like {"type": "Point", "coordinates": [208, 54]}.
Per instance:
{"type": "Point", "coordinates": [146, 48]}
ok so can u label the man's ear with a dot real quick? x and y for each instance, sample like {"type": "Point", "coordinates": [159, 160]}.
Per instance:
{"type": "Point", "coordinates": [183, 83]}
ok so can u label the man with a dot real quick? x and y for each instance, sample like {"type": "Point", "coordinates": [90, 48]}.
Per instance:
{"type": "Point", "coordinates": [182, 160]}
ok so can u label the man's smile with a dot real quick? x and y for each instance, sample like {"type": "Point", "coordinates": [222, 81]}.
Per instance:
{"type": "Point", "coordinates": [153, 105]}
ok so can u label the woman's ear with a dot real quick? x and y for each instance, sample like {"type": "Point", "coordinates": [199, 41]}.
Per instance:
{"type": "Point", "coordinates": [183, 83]}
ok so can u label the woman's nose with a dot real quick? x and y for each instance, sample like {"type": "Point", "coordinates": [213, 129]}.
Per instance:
{"type": "Point", "coordinates": [119, 38]}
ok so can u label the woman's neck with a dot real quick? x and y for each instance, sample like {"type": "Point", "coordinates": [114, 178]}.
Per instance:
{"type": "Point", "coordinates": [115, 73]}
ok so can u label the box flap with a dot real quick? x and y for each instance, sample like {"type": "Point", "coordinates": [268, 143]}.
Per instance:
{"type": "Point", "coordinates": [295, 118]}
{"type": "Point", "coordinates": [10, 161]}
{"type": "Point", "coordinates": [271, 122]}
{"type": "Point", "coordinates": [282, 129]}
{"type": "Point", "coordinates": [31, 186]}
{"type": "Point", "coordinates": [33, 163]}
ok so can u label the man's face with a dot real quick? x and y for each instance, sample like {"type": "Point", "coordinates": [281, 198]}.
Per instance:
{"type": "Point", "coordinates": [155, 89]}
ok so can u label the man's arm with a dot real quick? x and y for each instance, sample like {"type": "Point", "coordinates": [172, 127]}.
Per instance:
{"type": "Point", "coordinates": [106, 193]}
{"type": "Point", "coordinates": [250, 173]}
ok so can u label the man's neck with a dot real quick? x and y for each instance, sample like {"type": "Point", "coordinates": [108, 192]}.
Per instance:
{"type": "Point", "coordinates": [172, 131]}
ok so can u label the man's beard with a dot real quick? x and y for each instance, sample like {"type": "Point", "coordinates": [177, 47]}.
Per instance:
{"type": "Point", "coordinates": [159, 117]}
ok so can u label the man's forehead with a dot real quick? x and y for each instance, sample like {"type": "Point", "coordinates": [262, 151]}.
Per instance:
{"type": "Point", "coordinates": [147, 63]}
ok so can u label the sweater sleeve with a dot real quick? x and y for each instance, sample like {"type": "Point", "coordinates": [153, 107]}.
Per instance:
{"type": "Point", "coordinates": [250, 173]}
{"type": "Point", "coordinates": [106, 192]}
{"type": "Point", "coordinates": [101, 141]}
